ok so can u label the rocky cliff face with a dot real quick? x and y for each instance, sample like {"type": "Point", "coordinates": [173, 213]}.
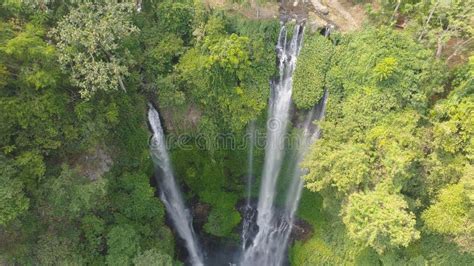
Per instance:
{"type": "Point", "coordinates": [344, 15]}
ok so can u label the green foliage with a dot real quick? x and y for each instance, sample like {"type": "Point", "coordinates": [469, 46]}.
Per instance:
{"type": "Point", "coordinates": [385, 68]}
{"type": "Point", "coordinates": [131, 135]}
{"type": "Point", "coordinates": [165, 32]}
{"type": "Point", "coordinates": [135, 199]}
{"type": "Point", "coordinates": [176, 17]}
{"type": "Point", "coordinates": [89, 43]}
{"type": "Point", "coordinates": [56, 216]}
{"type": "Point", "coordinates": [29, 46]}
{"type": "Point", "coordinates": [451, 214]}
{"type": "Point", "coordinates": [236, 73]}
{"type": "Point", "coordinates": [433, 23]}
{"type": "Point", "coordinates": [448, 20]}
{"type": "Point", "coordinates": [222, 220]}
{"type": "Point", "coordinates": [93, 229]}
{"type": "Point", "coordinates": [314, 252]}
{"type": "Point", "coordinates": [165, 51]}
{"type": "Point", "coordinates": [152, 257]}
{"type": "Point", "coordinates": [452, 132]}
{"type": "Point", "coordinates": [122, 245]}
{"type": "Point", "coordinates": [453, 117]}
{"type": "Point", "coordinates": [395, 116]}
{"type": "Point", "coordinates": [355, 158]}
{"type": "Point", "coordinates": [346, 167]}
{"type": "Point", "coordinates": [412, 81]}
{"type": "Point", "coordinates": [211, 178]}
{"type": "Point", "coordinates": [71, 195]}
{"type": "Point", "coordinates": [310, 74]}
{"type": "Point", "coordinates": [382, 127]}
{"type": "Point", "coordinates": [328, 243]}
{"type": "Point", "coordinates": [380, 219]}
{"type": "Point", "coordinates": [53, 250]}
{"type": "Point", "coordinates": [34, 115]}
{"type": "Point", "coordinates": [13, 201]}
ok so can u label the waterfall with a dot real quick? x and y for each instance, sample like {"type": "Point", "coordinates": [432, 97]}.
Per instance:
{"type": "Point", "coordinates": [278, 121]}
{"type": "Point", "coordinates": [262, 250]}
{"type": "Point", "coordinates": [274, 242]}
{"type": "Point", "coordinates": [170, 194]}
{"type": "Point", "coordinates": [251, 133]}
{"type": "Point", "coordinates": [310, 133]}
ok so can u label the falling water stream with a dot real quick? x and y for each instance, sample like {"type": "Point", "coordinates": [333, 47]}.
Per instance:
{"type": "Point", "coordinates": [309, 134]}
{"type": "Point", "coordinates": [266, 231]}
{"type": "Point", "coordinates": [170, 193]}
{"type": "Point", "coordinates": [260, 251]}
{"type": "Point", "coordinates": [252, 137]}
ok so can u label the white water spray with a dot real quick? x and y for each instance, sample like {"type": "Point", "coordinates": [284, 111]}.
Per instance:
{"type": "Point", "coordinates": [309, 135]}
{"type": "Point", "coordinates": [261, 251]}
{"type": "Point", "coordinates": [278, 121]}
{"type": "Point", "coordinates": [170, 194]}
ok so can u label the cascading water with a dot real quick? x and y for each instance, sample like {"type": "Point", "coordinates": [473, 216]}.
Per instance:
{"type": "Point", "coordinates": [261, 251]}
{"type": "Point", "coordinates": [266, 231]}
{"type": "Point", "coordinates": [310, 134]}
{"type": "Point", "coordinates": [276, 240]}
{"type": "Point", "coordinates": [252, 135]}
{"type": "Point", "coordinates": [170, 194]}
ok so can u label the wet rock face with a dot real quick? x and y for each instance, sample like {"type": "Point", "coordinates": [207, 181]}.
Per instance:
{"type": "Point", "coordinates": [200, 213]}
{"type": "Point", "coordinates": [343, 15]}
{"type": "Point", "coordinates": [294, 10]}
{"type": "Point", "coordinates": [318, 7]}
{"type": "Point", "coordinates": [249, 220]}
{"type": "Point", "coordinates": [302, 230]}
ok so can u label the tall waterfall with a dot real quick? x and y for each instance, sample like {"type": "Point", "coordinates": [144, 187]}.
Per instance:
{"type": "Point", "coordinates": [170, 194]}
{"type": "Point", "coordinates": [278, 121]}
{"type": "Point", "coordinates": [262, 251]}
{"type": "Point", "coordinates": [309, 134]}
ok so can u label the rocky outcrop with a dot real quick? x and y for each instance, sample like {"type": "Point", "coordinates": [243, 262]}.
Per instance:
{"type": "Point", "coordinates": [318, 7]}
{"type": "Point", "coordinates": [200, 213]}
{"type": "Point", "coordinates": [301, 231]}
{"type": "Point", "coordinates": [342, 14]}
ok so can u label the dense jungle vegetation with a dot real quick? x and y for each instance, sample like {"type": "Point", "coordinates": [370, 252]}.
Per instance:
{"type": "Point", "coordinates": [391, 182]}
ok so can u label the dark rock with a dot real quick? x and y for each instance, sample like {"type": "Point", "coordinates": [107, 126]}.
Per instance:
{"type": "Point", "coordinates": [302, 230]}
{"type": "Point", "coordinates": [200, 213]}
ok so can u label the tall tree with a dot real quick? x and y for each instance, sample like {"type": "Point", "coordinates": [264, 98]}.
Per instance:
{"type": "Point", "coordinates": [13, 201]}
{"type": "Point", "coordinates": [380, 219]}
{"type": "Point", "coordinates": [90, 45]}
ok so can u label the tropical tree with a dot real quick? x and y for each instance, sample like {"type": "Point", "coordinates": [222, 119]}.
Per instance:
{"type": "Point", "coordinates": [122, 245]}
{"type": "Point", "coordinates": [90, 46]}
{"type": "Point", "coordinates": [13, 201]}
{"type": "Point", "coordinates": [380, 219]}
{"type": "Point", "coordinates": [152, 257]}
{"type": "Point", "coordinates": [451, 212]}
